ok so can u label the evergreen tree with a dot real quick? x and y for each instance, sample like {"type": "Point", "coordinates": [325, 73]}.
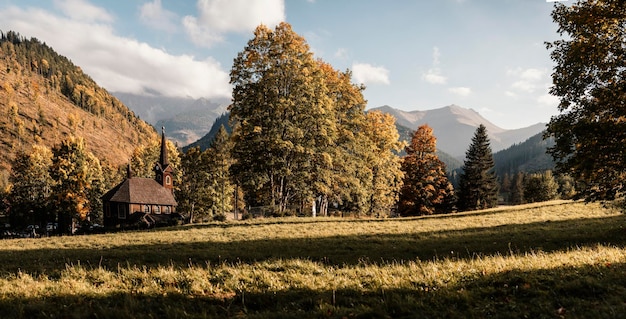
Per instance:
{"type": "Point", "coordinates": [478, 186]}
{"type": "Point", "coordinates": [426, 187]}
{"type": "Point", "coordinates": [517, 189]}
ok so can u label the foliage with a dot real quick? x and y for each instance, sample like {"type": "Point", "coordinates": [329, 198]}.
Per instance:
{"type": "Point", "coordinates": [281, 111]}
{"type": "Point", "coordinates": [221, 198]}
{"type": "Point", "coordinates": [31, 185]}
{"type": "Point", "coordinates": [590, 131]}
{"type": "Point", "coordinates": [387, 175]}
{"type": "Point", "coordinates": [426, 189]}
{"type": "Point", "coordinates": [540, 187]}
{"type": "Point", "coordinates": [193, 192]}
{"type": "Point", "coordinates": [145, 156]}
{"type": "Point", "coordinates": [478, 186]}
{"type": "Point", "coordinates": [78, 183]}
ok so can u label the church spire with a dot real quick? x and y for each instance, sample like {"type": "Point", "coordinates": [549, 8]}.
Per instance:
{"type": "Point", "coordinates": [163, 160]}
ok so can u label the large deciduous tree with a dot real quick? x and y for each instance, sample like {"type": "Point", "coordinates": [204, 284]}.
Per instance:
{"type": "Point", "coordinates": [193, 194]}
{"type": "Point", "coordinates": [78, 182]}
{"type": "Point", "coordinates": [281, 117]}
{"type": "Point", "coordinates": [426, 189]}
{"type": "Point", "coordinates": [478, 186]}
{"type": "Point", "coordinates": [589, 79]}
{"type": "Point", "coordinates": [30, 186]}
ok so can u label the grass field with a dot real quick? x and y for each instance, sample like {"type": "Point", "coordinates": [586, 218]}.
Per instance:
{"type": "Point", "coordinates": [549, 260]}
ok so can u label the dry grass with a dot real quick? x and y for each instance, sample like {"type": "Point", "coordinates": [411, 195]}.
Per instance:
{"type": "Point", "coordinates": [547, 260]}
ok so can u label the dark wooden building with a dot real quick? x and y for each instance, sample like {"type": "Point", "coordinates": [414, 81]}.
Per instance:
{"type": "Point", "coordinates": [143, 202]}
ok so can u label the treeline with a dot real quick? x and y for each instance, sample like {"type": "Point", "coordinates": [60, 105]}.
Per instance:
{"type": "Point", "coordinates": [24, 57]}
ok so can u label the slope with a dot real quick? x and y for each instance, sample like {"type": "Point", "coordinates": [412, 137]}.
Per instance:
{"type": "Point", "coordinates": [46, 98]}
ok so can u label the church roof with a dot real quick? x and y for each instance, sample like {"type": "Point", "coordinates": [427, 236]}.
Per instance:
{"type": "Point", "coordinates": [138, 190]}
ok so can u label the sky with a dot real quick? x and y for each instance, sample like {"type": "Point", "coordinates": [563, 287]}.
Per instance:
{"type": "Point", "coordinates": [488, 55]}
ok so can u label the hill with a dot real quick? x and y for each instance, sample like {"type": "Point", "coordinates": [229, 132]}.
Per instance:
{"type": "Point", "coordinates": [186, 119]}
{"type": "Point", "coordinates": [556, 259]}
{"type": "Point", "coordinates": [47, 98]}
{"type": "Point", "coordinates": [529, 156]}
{"type": "Point", "coordinates": [205, 142]}
{"type": "Point", "coordinates": [454, 127]}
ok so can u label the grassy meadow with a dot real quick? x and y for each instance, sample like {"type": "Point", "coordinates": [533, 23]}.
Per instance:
{"type": "Point", "coordinates": [549, 260]}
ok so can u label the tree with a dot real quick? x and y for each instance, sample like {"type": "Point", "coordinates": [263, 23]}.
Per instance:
{"type": "Point", "coordinates": [76, 182]}
{"type": "Point", "coordinates": [540, 187]}
{"type": "Point", "coordinates": [478, 186]}
{"type": "Point", "coordinates": [220, 160]}
{"type": "Point", "coordinates": [590, 131]}
{"type": "Point", "coordinates": [384, 164]}
{"type": "Point", "coordinates": [31, 185]}
{"type": "Point", "coordinates": [517, 189]}
{"type": "Point", "coordinates": [281, 119]}
{"type": "Point", "coordinates": [193, 194]}
{"type": "Point", "coordinates": [426, 187]}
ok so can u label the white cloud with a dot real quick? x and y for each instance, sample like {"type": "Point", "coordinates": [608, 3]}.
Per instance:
{"type": "Point", "coordinates": [369, 74]}
{"type": "Point", "coordinates": [153, 15]}
{"type": "Point", "coordinates": [217, 17]}
{"type": "Point", "coordinates": [82, 10]}
{"type": "Point", "coordinates": [433, 75]}
{"type": "Point", "coordinates": [118, 63]}
{"type": "Point", "coordinates": [461, 91]}
{"type": "Point", "coordinates": [527, 80]}
{"type": "Point", "coordinates": [548, 100]}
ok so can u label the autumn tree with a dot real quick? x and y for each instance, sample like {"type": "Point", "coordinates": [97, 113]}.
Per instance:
{"type": "Point", "coordinates": [478, 186]}
{"type": "Point", "coordinates": [383, 163]}
{"type": "Point", "coordinates": [426, 188]}
{"type": "Point", "coordinates": [30, 186]}
{"type": "Point", "coordinates": [77, 177]}
{"type": "Point", "coordinates": [280, 113]}
{"type": "Point", "coordinates": [222, 189]}
{"type": "Point", "coordinates": [590, 131]}
{"type": "Point", "coordinates": [145, 156]}
{"type": "Point", "coordinates": [193, 194]}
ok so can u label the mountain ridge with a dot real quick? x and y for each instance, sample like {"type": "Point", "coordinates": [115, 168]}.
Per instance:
{"type": "Point", "coordinates": [454, 127]}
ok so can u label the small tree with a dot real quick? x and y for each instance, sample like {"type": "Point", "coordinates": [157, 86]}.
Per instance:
{"type": "Point", "coordinates": [540, 187]}
{"type": "Point", "coordinates": [426, 187]}
{"type": "Point", "coordinates": [478, 186]}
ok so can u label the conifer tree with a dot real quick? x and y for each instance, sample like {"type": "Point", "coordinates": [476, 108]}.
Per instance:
{"type": "Point", "coordinates": [222, 190]}
{"type": "Point", "coordinates": [426, 188]}
{"type": "Point", "coordinates": [517, 189]}
{"type": "Point", "coordinates": [193, 194]}
{"type": "Point", "coordinates": [478, 186]}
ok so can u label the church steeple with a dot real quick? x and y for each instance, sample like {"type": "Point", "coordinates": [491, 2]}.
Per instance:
{"type": "Point", "coordinates": [163, 160]}
{"type": "Point", "coordinates": [163, 171]}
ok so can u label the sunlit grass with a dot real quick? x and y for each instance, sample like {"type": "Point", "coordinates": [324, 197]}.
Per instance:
{"type": "Point", "coordinates": [543, 260]}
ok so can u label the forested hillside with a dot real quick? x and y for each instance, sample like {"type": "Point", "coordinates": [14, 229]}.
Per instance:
{"type": "Point", "coordinates": [529, 156]}
{"type": "Point", "coordinates": [46, 98]}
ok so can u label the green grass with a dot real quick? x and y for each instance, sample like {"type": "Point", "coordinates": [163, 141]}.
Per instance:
{"type": "Point", "coordinates": [549, 260]}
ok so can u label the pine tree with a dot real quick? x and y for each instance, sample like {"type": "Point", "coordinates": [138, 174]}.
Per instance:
{"type": "Point", "coordinates": [194, 189]}
{"type": "Point", "coordinates": [517, 189]}
{"type": "Point", "coordinates": [478, 186]}
{"type": "Point", "coordinates": [426, 189]}
{"type": "Point", "coordinates": [220, 160]}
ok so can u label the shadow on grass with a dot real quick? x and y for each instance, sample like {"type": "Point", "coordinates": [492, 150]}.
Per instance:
{"type": "Point", "coordinates": [596, 291]}
{"type": "Point", "coordinates": [335, 250]}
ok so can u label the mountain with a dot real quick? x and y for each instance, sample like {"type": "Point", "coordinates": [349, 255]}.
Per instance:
{"type": "Point", "coordinates": [47, 98]}
{"type": "Point", "coordinates": [205, 142]}
{"type": "Point", "coordinates": [529, 156]}
{"type": "Point", "coordinates": [185, 119]}
{"type": "Point", "coordinates": [454, 126]}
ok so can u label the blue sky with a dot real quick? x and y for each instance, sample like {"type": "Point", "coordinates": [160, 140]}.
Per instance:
{"type": "Point", "coordinates": [488, 55]}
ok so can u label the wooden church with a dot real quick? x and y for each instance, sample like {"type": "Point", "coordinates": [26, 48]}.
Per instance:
{"type": "Point", "coordinates": [143, 202]}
